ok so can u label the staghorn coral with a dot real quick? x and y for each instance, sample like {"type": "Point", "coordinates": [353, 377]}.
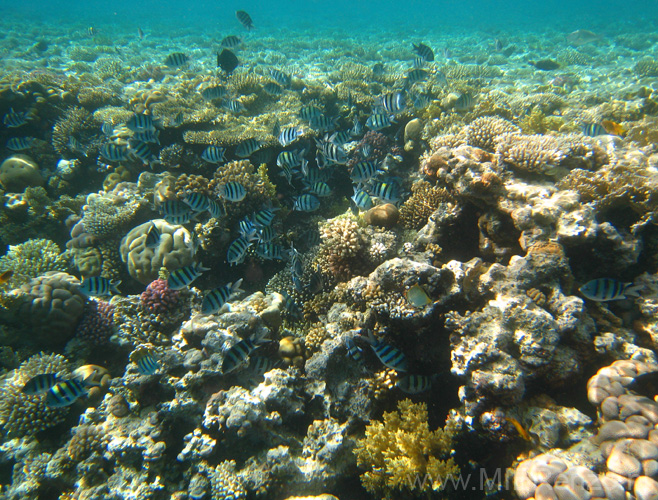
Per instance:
{"type": "Point", "coordinates": [484, 131]}
{"type": "Point", "coordinates": [342, 249]}
{"type": "Point", "coordinates": [549, 155]}
{"type": "Point", "coordinates": [34, 258]}
{"type": "Point", "coordinates": [26, 415]}
{"type": "Point", "coordinates": [401, 448]}
{"type": "Point", "coordinates": [422, 203]}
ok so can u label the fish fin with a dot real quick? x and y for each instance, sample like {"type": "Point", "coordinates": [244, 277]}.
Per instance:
{"type": "Point", "coordinates": [631, 290]}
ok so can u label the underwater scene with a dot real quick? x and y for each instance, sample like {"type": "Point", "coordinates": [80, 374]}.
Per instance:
{"type": "Point", "coordinates": [329, 250]}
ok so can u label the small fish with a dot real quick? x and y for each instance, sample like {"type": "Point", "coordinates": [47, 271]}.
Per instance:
{"type": "Point", "coordinates": [216, 298]}
{"type": "Point", "coordinates": [264, 217]}
{"type": "Point", "coordinates": [414, 384]}
{"type": "Point", "coordinates": [354, 351]}
{"type": "Point", "coordinates": [238, 354]}
{"type": "Point", "coordinates": [424, 51]}
{"type": "Point", "coordinates": [245, 19]}
{"type": "Point", "coordinates": [418, 62]}
{"type": "Point", "coordinates": [322, 123]}
{"type": "Point", "coordinates": [266, 234]}
{"type": "Point", "coordinates": [230, 41]}
{"type": "Point", "coordinates": [393, 102]}
{"type": "Point", "coordinates": [415, 76]}
{"type": "Point", "coordinates": [273, 88]}
{"type": "Point", "coordinates": [114, 152]}
{"type": "Point", "coordinates": [613, 128]}
{"type": "Point", "coordinates": [645, 384]}
{"type": "Point", "coordinates": [197, 201]}
{"type": "Point", "coordinates": [140, 33]}
{"type": "Point", "coordinates": [214, 92]}
{"type": "Point", "coordinates": [390, 356]}
{"type": "Point", "coordinates": [107, 129]}
{"type": "Point", "coordinates": [464, 102]}
{"type": "Point", "coordinates": [417, 296]}
{"type": "Point", "coordinates": [360, 200]}
{"type": "Point", "coordinates": [151, 136]}
{"type": "Point", "coordinates": [234, 106]}
{"type": "Point", "coordinates": [146, 363]}
{"type": "Point", "coordinates": [184, 276]}
{"type": "Point", "coordinates": [519, 428]}
{"type": "Point", "coordinates": [332, 152]}
{"type": "Point", "coordinates": [320, 189]}
{"type": "Point", "coordinates": [379, 121]}
{"type": "Point", "coordinates": [176, 60]}
{"type": "Point", "coordinates": [316, 282]}
{"type": "Point", "coordinates": [6, 275]}
{"type": "Point", "coordinates": [15, 119]}
{"type": "Point", "coordinates": [309, 112]}
{"type": "Point", "coordinates": [296, 264]}
{"type": "Point", "coordinates": [246, 228]}
{"type": "Point", "coordinates": [216, 210]}
{"type": "Point", "coordinates": [260, 365]}
{"type": "Point", "coordinates": [357, 128]}
{"type": "Point", "coordinates": [291, 308]}
{"type": "Point", "coordinates": [179, 119]}
{"type": "Point", "coordinates": [341, 137]}
{"type": "Point", "coordinates": [270, 251]}
{"type": "Point", "coordinates": [181, 218]}
{"type": "Point", "coordinates": [237, 250]}
{"type": "Point", "coordinates": [152, 237]}
{"type": "Point", "coordinates": [606, 289]}
{"type": "Point", "coordinates": [545, 64]}
{"type": "Point", "coordinates": [65, 393]}
{"type": "Point", "coordinates": [248, 147]}
{"type": "Point", "coordinates": [91, 31]}
{"type": "Point", "coordinates": [227, 61]}
{"type": "Point", "coordinates": [593, 129]}
{"type": "Point", "coordinates": [387, 191]}
{"type": "Point", "coordinates": [139, 122]}
{"type": "Point", "coordinates": [20, 143]}
{"type": "Point", "coordinates": [582, 37]}
{"type": "Point", "coordinates": [142, 151]}
{"type": "Point", "coordinates": [40, 383]}
{"type": "Point", "coordinates": [280, 77]}
{"type": "Point", "coordinates": [365, 150]}
{"type": "Point", "coordinates": [419, 100]}
{"type": "Point", "coordinates": [214, 154]}
{"type": "Point", "coordinates": [306, 203]}
{"type": "Point", "coordinates": [233, 191]}
{"type": "Point", "coordinates": [98, 286]}
{"type": "Point", "coordinates": [289, 135]}
{"type": "Point", "coordinates": [364, 171]}
{"type": "Point", "coordinates": [174, 208]}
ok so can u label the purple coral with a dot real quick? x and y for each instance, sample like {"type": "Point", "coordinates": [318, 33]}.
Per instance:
{"type": "Point", "coordinates": [97, 323]}
{"type": "Point", "coordinates": [159, 298]}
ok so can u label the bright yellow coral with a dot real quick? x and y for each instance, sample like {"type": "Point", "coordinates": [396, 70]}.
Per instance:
{"type": "Point", "coordinates": [402, 455]}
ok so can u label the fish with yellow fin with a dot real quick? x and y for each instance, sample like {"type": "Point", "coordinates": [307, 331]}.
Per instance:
{"type": "Point", "coordinates": [519, 428]}
{"type": "Point", "coordinates": [613, 128]}
{"type": "Point", "coordinates": [417, 296]}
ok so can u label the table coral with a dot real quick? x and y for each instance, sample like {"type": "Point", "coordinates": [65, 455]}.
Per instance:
{"type": "Point", "coordinates": [401, 454]}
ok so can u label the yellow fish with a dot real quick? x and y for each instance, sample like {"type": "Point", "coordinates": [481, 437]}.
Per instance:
{"type": "Point", "coordinates": [613, 128]}
{"type": "Point", "coordinates": [417, 296]}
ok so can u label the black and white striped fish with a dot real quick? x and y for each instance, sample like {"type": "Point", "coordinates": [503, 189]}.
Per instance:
{"type": "Point", "coordinates": [280, 77]}
{"type": "Point", "coordinates": [386, 191]}
{"type": "Point", "coordinates": [319, 188]}
{"type": "Point", "coordinates": [424, 51]}
{"type": "Point", "coordinates": [65, 393]}
{"type": "Point", "coordinates": [414, 384]}
{"type": "Point", "coordinates": [237, 355]}
{"type": "Point", "coordinates": [114, 152]}
{"type": "Point", "coordinates": [270, 251]}
{"type": "Point", "coordinates": [15, 119]}
{"type": "Point", "coordinates": [234, 106]}
{"type": "Point", "coordinates": [593, 129]}
{"type": "Point", "coordinates": [146, 363]}
{"type": "Point", "coordinates": [198, 202]}
{"type": "Point", "coordinates": [323, 123]}
{"type": "Point", "coordinates": [176, 60]}
{"type": "Point", "coordinates": [364, 171]}
{"type": "Point", "coordinates": [390, 356]}
{"type": "Point", "coordinates": [393, 102]}
{"type": "Point", "coordinates": [291, 309]}
{"type": "Point", "coordinates": [464, 102]}
{"type": "Point", "coordinates": [139, 122]}
{"type": "Point", "coordinates": [379, 121]}
{"type": "Point", "coordinates": [142, 151]}
{"type": "Point", "coordinates": [214, 154]}
{"type": "Point", "coordinates": [20, 143]}
{"type": "Point", "coordinates": [98, 286]}
{"type": "Point", "coordinates": [306, 203]}
{"type": "Point", "coordinates": [174, 208]}
{"type": "Point", "coordinates": [248, 147]}
{"type": "Point", "coordinates": [264, 217]}
{"type": "Point", "coordinates": [213, 92]}
{"type": "Point", "coordinates": [360, 200]}
{"type": "Point", "coordinates": [152, 136]}
{"type": "Point", "coordinates": [310, 112]}
{"type": "Point", "coordinates": [245, 19]}
{"type": "Point", "coordinates": [152, 237]}
{"type": "Point", "coordinates": [289, 135]}
{"type": "Point", "coordinates": [237, 250]}
{"type": "Point", "coordinates": [606, 289]}
{"type": "Point", "coordinates": [233, 191]}
{"type": "Point", "coordinates": [266, 234]}
{"type": "Point", "coordinates": [185, 276]}
{"type": "Point", "coordinates": [215, 209]}
{"type": "Point", "coordinates": [415, 76]}
{"type": "Point", "coordinates": [354, 351]}
{"type": "Point", "coordinates": [216, 298]}
{"type": "Point", "coordinates": [40, 383]}
{"type": "Point", "coordinates": [230, 41]}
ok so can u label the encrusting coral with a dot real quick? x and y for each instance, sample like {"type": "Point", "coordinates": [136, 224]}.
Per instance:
{"type": "Point", "coordinates": [402, 455]}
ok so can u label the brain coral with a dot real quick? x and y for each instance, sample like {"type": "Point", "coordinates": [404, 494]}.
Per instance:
{"type": "Point", "coordinates": [175, 250]}
{"type": "Point", "coordinates": [52, 305]}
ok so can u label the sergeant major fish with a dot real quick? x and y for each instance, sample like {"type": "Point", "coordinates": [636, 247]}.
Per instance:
{"type": "Point", "coordinates": [184, 276]}
{"type": "Point", "coordinates": [65, 393]}
{"type": "Point", "coordinates": [214, 300]}
{"type": "Point", "coordinates": [99, 286]}
{"type": "Point", "coordinates": [606, 289]}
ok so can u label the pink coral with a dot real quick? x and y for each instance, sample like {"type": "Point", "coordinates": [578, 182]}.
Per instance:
{"type": "Point", "coordinates": [97, 323]}
{"type": "Point", "coordinates": [159, 298]}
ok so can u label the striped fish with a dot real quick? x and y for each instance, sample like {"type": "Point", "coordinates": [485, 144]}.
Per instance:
{"type": "Point", "coordinates": [296, 264]}
{"type": "Point", "coordinates": [364, 171]}
{"type": "Point", "coordinates": [230, 41]}
{"type": "Point", "coordinates": [237, 250]}
{"type": "Point", "coordinates": [246, 227]}
{"type": "Point", "coordinates": [306, 203]}
{"type": "Point", "coordinates": [245, 19]}
{"type": "Point", "coordinates": [140, 122]}
{"type": "Point", "coordinates": [238, 354]}
{"type": "Point", "coordinates": [322, 123]}
{"type": "Point", "coordinates": [386, 191]}
{"type": "Point", "coordinates": [216, 298]}
{"type": "Point", "coordinates": [99, 287]}
{"type": "Point", "coordinates": [290, 307]}
{"type": "Point", "coordinates": [270, 251]}
{"type": "Point", "coordinates": [605, 289]}
{"type": "Point", "coordinates": [341, 137]}
{"type": "Point", "coordinates": [213, 154]}
{"type": "Point", "coordinates": [354, 351]}
{"type": "Point", "coordinates": [176, 60]}
{"type": "Point", "coordinates": [309, 112]}
{"type": "Point", "coordinates": [415, 76]}
{"type": "Point", "coordinates": [593, 129]}
{"type": "Point", "coordinates": [40, 383]}
{"type": "Point", "coordinates": [150, 136]}
{"type": "Point", "coordinates": [20, 143]}
{"type": "Point", "coordinates": [15, 119]}
{"type": "Point", "coordinates": [180, 278]}
{"type": "Point", "coordinates": [260, 365]}
{"type": "Point", "coordinates": [414, 384]}
{"type": "Point", "coordinates": [264, 217]}
{"type": "Point", "coordinates": [390, 356]}
{"type": "Point", "coordinates": [216, 210]}
{"type": "Point", "coordinates": [181, 218]}
{"type": "Point", "coordinates": [393, 102]}
{"type": "Point", "coordinates": [213, 92]}
{"type": "Point", "coordinates": [288, 172]}
{"type": "Point", "coordinates": [464, 102]}
{"type": "Point", "coordinates": [273, 88]}
{"type": "Point", "coordinates": [65, 393]}
{"type": "Point", "coordinates": [288, 158]}
{"type": "Point", "coordinates": [197, 201]}
{"type": "Point", "coordinates": [289, 135]}
{"type": "Point", "coordinates": [248, 147]}
{"type": "Point", "coordinates": [234, 106]}
{"type": "Point", "coordinates": [152, 237]}
{"type": "Point", "coordinates": [142, 151]}
{"type": "Point", "coordinates": [233, 191]}
{"type": "Point", "coordinates": [361, 200]}
{"type": "Point", "coordinates": [379, 121]}
{"type": "Point", "coordinates": [280, 77]}
{"type": "Point", "coordinates": [146, 363]}
{"type": "Point", "coordinates": [320, 189]}
{"type": "Point", "coordinates": [423, 51]}
{"type": "Point", "coordinates": [114, 152]}
{"type": "Point", "coordinates": [266, 234]}
{"type": "Point", "coordinates": [174, 207]}
{"type": "Point", "coordinates": [332, 152]}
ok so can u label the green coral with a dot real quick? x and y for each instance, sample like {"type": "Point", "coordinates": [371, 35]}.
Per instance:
{"type": "Point", "coordinates": [34, 258]}
{"type": "Point", "coordinates": [402, 456]}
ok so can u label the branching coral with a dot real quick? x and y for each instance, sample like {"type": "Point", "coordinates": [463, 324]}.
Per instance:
{"type": "Point", "coordinates": [402, 455]}
{"type": "Point", "coordinates": [482, 133]}
{"type": "Point", "coordinates": [106, 215]}
{"type": "Point", "coordinates": [76, 123]}
{"type": "Point", "coordinates": [343, 243]}
{"type": "Point", "coordinates": [424, 200]}
{"type": "Point", "coordinates": [34, 258]}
